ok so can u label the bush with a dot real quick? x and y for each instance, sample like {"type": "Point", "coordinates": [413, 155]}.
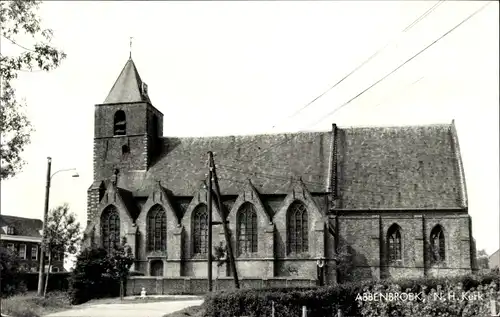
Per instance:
{"type": "Point", "coordinates": [90, 278]}
{"type": "Point", "coordinates": [325, 301]}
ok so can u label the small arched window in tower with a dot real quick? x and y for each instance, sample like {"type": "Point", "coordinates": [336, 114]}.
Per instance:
{"type": "Point", "coordinates": [438, 247]}
{"type": "Point", "coordinates": [120, 123]}
{"type": "Point", "coordinates": [125, 150]}
{"type": "Point", "coordinates": [394, 245]}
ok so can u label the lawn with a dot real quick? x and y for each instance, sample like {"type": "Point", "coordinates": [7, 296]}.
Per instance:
{"type": "Point", "coordinates": [30, 305]}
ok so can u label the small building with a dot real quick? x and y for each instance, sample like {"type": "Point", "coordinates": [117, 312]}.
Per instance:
{"type": "Point", "coordinates": [495, 260]}
{"type": "Point", "coordinates": [23, 236]}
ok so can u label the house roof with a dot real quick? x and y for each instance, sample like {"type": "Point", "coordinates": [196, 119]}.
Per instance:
{"type": "Point", "coordinates": [22, 226]}
{"type": "Point", "coordinates": [377, 167]}
{"type": "Point", "coordinates": [128, 86]}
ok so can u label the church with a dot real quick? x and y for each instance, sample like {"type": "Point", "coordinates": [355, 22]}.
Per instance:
{"type": "Point", "coordinates": [368, 202]}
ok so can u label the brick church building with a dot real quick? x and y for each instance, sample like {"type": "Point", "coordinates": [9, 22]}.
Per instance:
{"type": "Point", "coordinates": [391, 201]}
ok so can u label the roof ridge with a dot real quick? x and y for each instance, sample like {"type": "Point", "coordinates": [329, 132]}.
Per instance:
{"type": "Point", "coordinates": [397, 126]}
{"type": "Point", "coordinates": [20, 218]}
{"type": "Point", "coordinates": [246, 135]}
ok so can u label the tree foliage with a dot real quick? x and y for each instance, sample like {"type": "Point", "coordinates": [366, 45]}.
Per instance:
{"type": "Point", "coordinates": [483, 261]}
{"type": "Point", "coordinates": [19, 22]}
{"type": "Point", "coordinates": [10, 281]}
{"type": "Point", "coordinates": [62, 235]}
{"type": "Point", "coordinates": [99, 274]}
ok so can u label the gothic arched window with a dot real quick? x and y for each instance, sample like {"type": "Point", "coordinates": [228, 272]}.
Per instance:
{"type": "Point", "coordinates": [394, 246]}
{"type": "Point", "coordinates": [200, 230]}
{"type": "Point", "coordinates": [120, 123]}
{"type": "Point", "coordinates": [110, 228]}
{"type": "Point", "coordinates": [247, 229]}
{"type": "Point", "coordinates": [438, 249]}
{"type": "Point", "coordinates": [157, 229]}
{"type": "Point", "coordinates": [297, 228]}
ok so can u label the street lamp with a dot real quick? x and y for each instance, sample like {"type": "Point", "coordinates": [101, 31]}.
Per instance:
{"type": "Point", "coordinates": [45, 216]}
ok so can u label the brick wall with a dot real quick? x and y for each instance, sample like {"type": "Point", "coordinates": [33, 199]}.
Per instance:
{"type": "Point", "coordinates": [365, 237]}
{"type": "Point", "coordinates": [193, 285]}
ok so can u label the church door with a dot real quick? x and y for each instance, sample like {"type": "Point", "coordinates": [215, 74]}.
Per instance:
{"type": "Point", "coordinates": [157, 268]}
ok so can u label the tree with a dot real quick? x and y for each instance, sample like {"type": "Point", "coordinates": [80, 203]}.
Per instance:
{"type": "Point", "coordinates": [10, 282]}
{"type": "Point", "coordinates": [62, 235]}
{"type": "Point", "coordinates": [18, 19]}
{"type": "Point", "coordinates": [90, 278]}
{"type": "Point", "coordinates": [483, 261]}
{"type": "Point", "coordinates": [121, 259]}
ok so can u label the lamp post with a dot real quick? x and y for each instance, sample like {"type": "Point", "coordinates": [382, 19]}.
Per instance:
{"type": "Point", "coordinates": [45, 216]}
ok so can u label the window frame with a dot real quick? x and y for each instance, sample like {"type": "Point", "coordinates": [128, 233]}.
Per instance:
{"type": "Point", "coordinates": [297, 240]}
{"type": "Point", "coordinates": [248, 242]}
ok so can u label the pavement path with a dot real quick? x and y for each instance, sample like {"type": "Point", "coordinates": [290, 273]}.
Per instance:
{"type": "Point", "coordinates": [153, 309]}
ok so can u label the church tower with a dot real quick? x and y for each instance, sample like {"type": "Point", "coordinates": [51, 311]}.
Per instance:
{"type": "Point", "coordinates": [127, 131]}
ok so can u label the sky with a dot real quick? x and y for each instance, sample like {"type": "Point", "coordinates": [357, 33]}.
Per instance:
{"type": "Point", "coordinates": [248, 67]}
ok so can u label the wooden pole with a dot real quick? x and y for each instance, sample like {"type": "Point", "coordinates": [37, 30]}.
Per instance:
{"type": "Point", "coordinates": [227, 237]}
{"type": "Point", "coordinates": [209, 238]}
{"type": "Point", "coordinates": [44, 229]}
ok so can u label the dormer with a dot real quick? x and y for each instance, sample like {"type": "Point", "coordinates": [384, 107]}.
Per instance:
{"type": "Point", "coordinates": [10, 230]}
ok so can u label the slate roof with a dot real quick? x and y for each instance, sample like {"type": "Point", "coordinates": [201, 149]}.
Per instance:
{"type": "Point", "coordinates": [377, 167]}
{"type": "Point", "coordinates": [268, 160]}
{"type": "Point", "coordinates": [22, 226]}
{"type": "Point", "coordinates": [128, 86]}
{"type": "Point", "coordinates": [400, 167]}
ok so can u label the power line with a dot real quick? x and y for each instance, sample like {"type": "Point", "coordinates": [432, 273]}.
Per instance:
{"type": "Point", "coordinates": [397, 68]}
{"type": "Point", "coordinates": [378, 81]}
{"type": "Point", "coordinates": [420, 18]}
{"type": "Point", "coordinates": [410, 26]}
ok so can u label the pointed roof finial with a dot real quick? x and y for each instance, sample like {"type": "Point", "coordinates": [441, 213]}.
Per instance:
{"type": "Point", "coordinates": [130, 51]}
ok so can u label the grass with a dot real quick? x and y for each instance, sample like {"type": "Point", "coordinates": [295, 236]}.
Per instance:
{"type": "Point", "coordinates": [193, 311]}
{"type": "Point", "coordinates": [29, 305]}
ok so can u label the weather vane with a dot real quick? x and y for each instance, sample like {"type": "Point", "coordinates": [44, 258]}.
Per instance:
{"type": "Point", "coordinates": [131, 47]}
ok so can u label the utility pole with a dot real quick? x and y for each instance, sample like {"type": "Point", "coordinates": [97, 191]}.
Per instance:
{"type": "Point", "coordinates": [45, 214]}
{"type": "Point", "coordinates": [209, 251]}
{"type": "Point", "coordinates": [229, 247]}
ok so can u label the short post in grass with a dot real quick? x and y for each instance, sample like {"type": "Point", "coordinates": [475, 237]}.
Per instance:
{"type": "Point", "coordinates": [304, 311]}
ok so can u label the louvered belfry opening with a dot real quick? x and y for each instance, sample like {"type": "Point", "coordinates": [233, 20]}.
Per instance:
{"type": "Point", "coordinates": [120, 123]}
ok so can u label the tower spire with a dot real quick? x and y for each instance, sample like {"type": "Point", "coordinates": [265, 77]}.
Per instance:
{"type": "Point", "coordinates": [130, 50]}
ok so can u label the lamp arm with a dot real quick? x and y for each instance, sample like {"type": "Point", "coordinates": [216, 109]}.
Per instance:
{"type": "Point", "coordinates": [63, 170]}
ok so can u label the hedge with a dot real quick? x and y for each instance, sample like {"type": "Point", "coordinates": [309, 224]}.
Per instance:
{"type": "Point", "coordinates": [325, 301]}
